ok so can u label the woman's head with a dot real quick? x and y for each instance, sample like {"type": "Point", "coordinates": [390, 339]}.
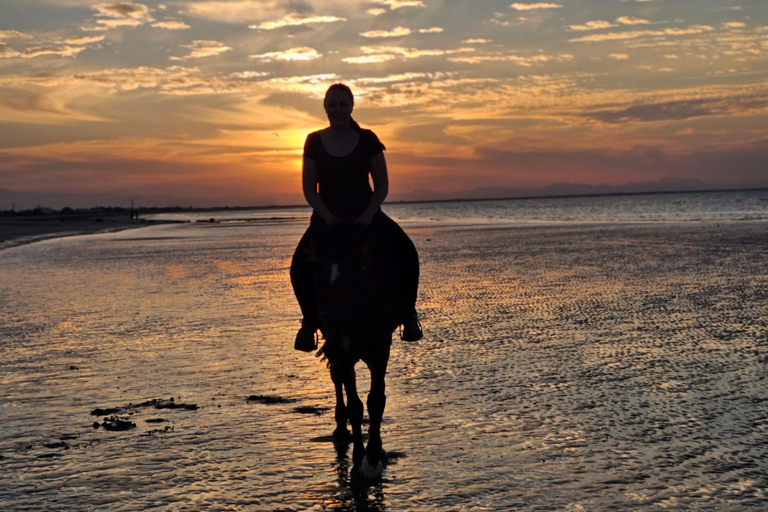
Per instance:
{"type": "Point", "coordinates": [339, 102]}
{"type": "Point", "coordinates": [337, 90]}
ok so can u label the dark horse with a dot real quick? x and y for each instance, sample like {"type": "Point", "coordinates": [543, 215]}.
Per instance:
{"type": "Point", "coordinates": [357, 291]}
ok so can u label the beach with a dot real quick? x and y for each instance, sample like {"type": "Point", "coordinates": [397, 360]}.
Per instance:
{"type": "Point", "coordinates": [24, 229]}
{"type": "Point", "coordinates": [566, 366]}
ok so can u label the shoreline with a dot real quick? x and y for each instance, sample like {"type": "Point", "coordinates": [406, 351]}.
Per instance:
{"type": "Point", "coordinates": [23, 230]}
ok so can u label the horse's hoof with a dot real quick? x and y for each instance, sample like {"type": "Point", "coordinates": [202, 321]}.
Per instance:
{"type": "Point", "coordinates": [367, 472]}
{"type": "Point", "coordinates": [342, 436]}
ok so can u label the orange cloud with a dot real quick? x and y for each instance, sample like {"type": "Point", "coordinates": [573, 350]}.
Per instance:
{"type": "Point", "coordinates": [293, 20]}
{"type": "Point", "coordinates": [294, 54]}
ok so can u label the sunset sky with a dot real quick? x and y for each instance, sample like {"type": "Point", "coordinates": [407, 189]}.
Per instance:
{"type": "Point", "coordinates": [213, 99]}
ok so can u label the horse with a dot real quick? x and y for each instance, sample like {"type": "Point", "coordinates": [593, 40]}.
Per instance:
{"type": "Point", "coordinates": [357, 293]}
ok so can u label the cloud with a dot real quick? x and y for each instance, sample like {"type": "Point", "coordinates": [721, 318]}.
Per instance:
{"type": "Point", "coordinates": [249, 74]}
{"type": "Point", "coordinates": [376, 12]}
{"type": "Point", "coordinates": [477, 41]}
{"type": "Point", "coordinates": [7, 52]}
{"type": "Point", "coordinates": [530, 7]}
{"type": "Point", "coordinates": [678, 110]}
{"type": "Point", "coordinates": [734, 24]}
{"type": "Point", "coordinates": [115, 23]}
{"type": "Point", "coordinates": [395, 32]}
{"type": "Point", "coordinates": [517, 59]}
{"type": "Point", "coordinates": [62, 51]}
{"type": "Point", "coordinates": [631, 20]}
{"type": "Point", "coordinates": [369, 59]}
{"type": "Point", "coordinates": [376, 54]}
{"type": "Point", "coordinates": [618, 36]}
{"type": "Point", "coordinates": [171, 25]}
{"type": "Point", "coordinates": [292, 20]}
{"type": "Point", "coordinates": [78, 40]}
{"type": "Point", "coordinates": [235, 12]}
{"type": "Point", "coordinates": [398, 4]}
{"type": "Point", "coordinates": [294, 54]}
{"type": "Point", "coordinates": [618, 56]}
{"type": "Point", "coordinates": [593, 25]}
{"type": "Point", "coordinates": [122, 10]}
{"type": "Point", "coordinates": [202, 49]}
{"type": "Point", "coordinates": [13, 34]}
{"type": "Point", "coordinates": [695, 29]}
{"type": "Point", "coordinates": [400, 32]}
{"type": "Point", "coordinates": [651, 165]}
{"type": "Point", "coordinates": [174, 80]}
{"type": "Point", "coordinates": [121, 14]}
{"type": "Point", "coordinates": [392, 78]}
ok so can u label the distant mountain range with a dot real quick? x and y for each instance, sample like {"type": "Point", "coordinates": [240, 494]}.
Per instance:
{"type": "Point", "coordinates": [562, 189]}
{"type": "Point", "coordinates": [10, 199]}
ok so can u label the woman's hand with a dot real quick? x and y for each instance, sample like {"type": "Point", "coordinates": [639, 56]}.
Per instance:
{"type": "Point", "coordinates": [364, 220]}
{"type": "Point", "coordinates": [331, 220]}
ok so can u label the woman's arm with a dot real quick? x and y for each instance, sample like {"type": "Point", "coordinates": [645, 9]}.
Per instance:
{"type": "Point", "coordinates": [378, 166]}
{"type": "Point", "coordinates": [309, 186]}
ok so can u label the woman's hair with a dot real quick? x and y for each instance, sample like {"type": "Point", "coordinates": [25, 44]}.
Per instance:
{"type": "Point", "coordinates": [346, 90]}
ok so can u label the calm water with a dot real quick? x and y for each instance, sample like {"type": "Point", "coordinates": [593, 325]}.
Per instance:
{"type": "Point", "coordinates": [577, 365]}
{"type": "Point", "coordinates": [711, 206]}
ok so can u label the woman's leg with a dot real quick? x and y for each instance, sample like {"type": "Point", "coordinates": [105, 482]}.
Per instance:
{"type": "Point", "coordinates": [302, 277]}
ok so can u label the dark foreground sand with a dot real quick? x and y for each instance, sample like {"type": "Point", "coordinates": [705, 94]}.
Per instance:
{"type": "Point", "coordinates": [15, 231]}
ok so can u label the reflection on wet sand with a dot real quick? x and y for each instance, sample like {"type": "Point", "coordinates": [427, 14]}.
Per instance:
{"type": "Point", "coordinates": [565, 367]}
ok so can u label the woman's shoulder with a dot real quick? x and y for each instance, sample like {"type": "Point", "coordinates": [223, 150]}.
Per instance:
{"type": "Point", "coordinates": [314, 137]}
{"type": "Point", "coordinates": [311, 145]}
{"type": "Point", "coordinates": [371, 140]}
{"type": "Point", "coordinates": [369, 134]}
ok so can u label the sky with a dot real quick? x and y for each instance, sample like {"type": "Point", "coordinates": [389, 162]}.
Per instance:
{"type": "Point", "coordinates": [210, 101]}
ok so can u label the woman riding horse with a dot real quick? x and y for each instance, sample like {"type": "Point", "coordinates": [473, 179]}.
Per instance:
{"type": "Point", "coordinates": [337, 162]}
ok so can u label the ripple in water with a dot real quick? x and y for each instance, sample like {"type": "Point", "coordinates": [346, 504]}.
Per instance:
{"type": "Point", "coordinates": [570, 367]}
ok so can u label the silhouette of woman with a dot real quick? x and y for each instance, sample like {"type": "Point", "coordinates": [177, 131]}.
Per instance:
{"type": "Point", "coordinates": [337, 162]}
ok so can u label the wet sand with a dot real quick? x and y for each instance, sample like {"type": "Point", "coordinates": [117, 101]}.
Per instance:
{"type": "Point", "coordinates": [575, 367]}
{"type": "Point", "coordinates": [15, 231]}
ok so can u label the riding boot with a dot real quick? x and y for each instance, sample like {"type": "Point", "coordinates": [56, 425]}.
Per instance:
{"type": "Point", "coordinates": [302, 274]}
{"type": "Point", "coordinates": [305, 338]}
{"type": "Point", "coordinates": [412, 327]}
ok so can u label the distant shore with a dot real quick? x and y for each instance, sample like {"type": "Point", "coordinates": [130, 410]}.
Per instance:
{"type": "Point", "coordinates": [20, 230]}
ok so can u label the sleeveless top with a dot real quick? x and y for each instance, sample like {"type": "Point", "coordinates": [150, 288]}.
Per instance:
{"type": "Point", "coordinates": [343, 180]}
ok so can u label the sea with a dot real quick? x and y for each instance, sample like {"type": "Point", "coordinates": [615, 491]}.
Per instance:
{"type": "Point", "coordinates": [580, 354]}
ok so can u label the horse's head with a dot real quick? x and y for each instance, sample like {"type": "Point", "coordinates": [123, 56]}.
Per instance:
{"type": "Point", "coordinates": [341, 282]}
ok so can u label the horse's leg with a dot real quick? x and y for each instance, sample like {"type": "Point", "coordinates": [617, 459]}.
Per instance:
{"type": "Point", "coordinates": [377, 399]}
{"type": "Point", "coordinates": [341, 434]}
{"type": "Point", "coordinates": [355, 413]}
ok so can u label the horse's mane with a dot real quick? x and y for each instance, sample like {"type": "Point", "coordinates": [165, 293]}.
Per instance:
{"type": "Point", "coordinates": [371, 297]}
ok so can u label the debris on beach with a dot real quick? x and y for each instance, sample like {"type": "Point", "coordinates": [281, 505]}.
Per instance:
{"type": "Point", "coordinates": [311, 409]}
{"type": "Point", "coordinates": [59, 444]}
{"type": "Point", "coordinates": [270, 399]}
{"type": "Point", "coordinates": [115, 424]}
{"type": "Point", "coordinates": [167, 428]}
{"type": "Point", "coordinates": [156, 403]}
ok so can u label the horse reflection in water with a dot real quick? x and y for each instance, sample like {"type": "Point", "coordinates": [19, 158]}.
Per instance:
{"type": "Point", "coordinates": [357, 290]}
